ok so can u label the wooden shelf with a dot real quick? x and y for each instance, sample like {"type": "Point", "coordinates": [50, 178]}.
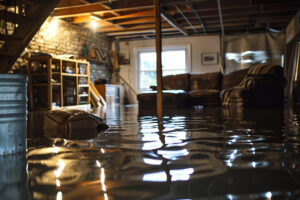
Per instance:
{"type": "Point", "coordinates": [67, 74]}
{"type": "Point", "coordinates": [83, 75]}
{"type": "Point", "coordinates": [83, 85]}
{"type": "Point", "coordinates": [46, 95]}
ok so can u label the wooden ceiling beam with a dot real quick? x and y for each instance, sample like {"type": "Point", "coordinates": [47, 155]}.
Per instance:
{"type": "Point", "coordinates": [88, 9]}
{"type": "Point", "coordinates": [147, 13]}
{"type": "Point", "coordinates": [78, 10]}
{"type": "Point", "coordinates": [103, 24]}
{"type": "Point", "coordinates": [104, 5]}
{"type": "Point", "coordinates": [151, 28]}
{"type": "Point", "coordinates": [138, 21]}
{"type": "Point", "coordinates": [67, 4]}
{"type": "Point", "coordinates": [133, 28]}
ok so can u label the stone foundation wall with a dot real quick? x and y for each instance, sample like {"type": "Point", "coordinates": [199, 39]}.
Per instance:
{"type": "Point", "coordinates": [58, 37]}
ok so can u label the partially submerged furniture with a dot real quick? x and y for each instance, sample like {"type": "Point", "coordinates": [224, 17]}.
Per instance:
{"type": "Point", "coordinates": [174, 93]}
{"type": "Point", "coordinates": [260, 86]}
{"type": "Point", "coordinates": [72, 124]}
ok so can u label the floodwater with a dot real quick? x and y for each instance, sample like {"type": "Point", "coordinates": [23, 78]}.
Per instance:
{"type": "Point", "coordinates": [198, 153]}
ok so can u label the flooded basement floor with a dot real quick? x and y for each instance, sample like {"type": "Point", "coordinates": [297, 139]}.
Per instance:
{"type": "Point", "coordinates": [193, 154]}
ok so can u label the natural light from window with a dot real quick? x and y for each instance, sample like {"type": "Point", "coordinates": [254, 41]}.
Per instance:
{"type": "Point", "coordinates": [173, 62]}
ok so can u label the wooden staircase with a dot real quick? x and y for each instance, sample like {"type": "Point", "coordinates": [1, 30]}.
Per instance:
{"type": "Point", "coordinates": [19, 22]}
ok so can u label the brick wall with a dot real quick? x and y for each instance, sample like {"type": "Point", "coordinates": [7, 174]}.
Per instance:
{"type": "Point", "coordinates": [58, 37]}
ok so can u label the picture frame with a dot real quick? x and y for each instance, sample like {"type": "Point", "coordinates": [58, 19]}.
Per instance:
{"type": "Point", "coordinates": [210, 58]}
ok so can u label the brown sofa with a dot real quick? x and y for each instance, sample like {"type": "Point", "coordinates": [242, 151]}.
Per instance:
{"type": "Point", "coordinates": [259, 86]}
{"type": "Point", "coordinates": [262, 86]}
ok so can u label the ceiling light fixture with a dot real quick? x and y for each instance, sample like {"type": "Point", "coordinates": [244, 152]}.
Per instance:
{"type": "Point", "coordinates": [94, 24]}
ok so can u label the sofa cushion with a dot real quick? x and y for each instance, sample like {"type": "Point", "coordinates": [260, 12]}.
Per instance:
{"type": "Point", "coordinates": [168, 82]}
{"type": "Point", "coordinates": [204, 93]}
{"type": "Point", "coordinates": [206, 81]}
{"type": "Point", "coordinates": [233, 79]}
{"type": "Point", "coordinates": [177, 82]}
{"type": "Point", "coordinates": [168, 95]}
{"type": "Point", "coordinates": [171, 98]}
{"type": "Point", "coordinates": [182, 82]}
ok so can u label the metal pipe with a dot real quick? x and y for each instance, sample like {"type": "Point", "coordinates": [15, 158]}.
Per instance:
{"type": "Point", "coordinates": [198, 17]}
{"type": "Point", "coordinates": [223, 35]}
{"type": "Point", "coordinates": [186, 19]}
{"type": "Point", "coordinates": [172, 22]}
{"type": "Point", "coordinates": [221, 18]}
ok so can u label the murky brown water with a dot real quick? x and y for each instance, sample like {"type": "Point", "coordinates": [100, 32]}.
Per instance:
{"type": "Point", "coordinates": [193, 154]}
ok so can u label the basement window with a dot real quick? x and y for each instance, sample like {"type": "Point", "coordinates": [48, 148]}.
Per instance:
{"type": "Point", "coordinates": [174, 61]}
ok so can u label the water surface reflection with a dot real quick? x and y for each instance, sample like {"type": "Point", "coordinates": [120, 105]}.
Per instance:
{"type": "Point", "coordinates": [190, 154]}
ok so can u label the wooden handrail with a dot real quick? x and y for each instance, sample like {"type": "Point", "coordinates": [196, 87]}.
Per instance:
{"type": "Point", "coordinates": [127, 84]}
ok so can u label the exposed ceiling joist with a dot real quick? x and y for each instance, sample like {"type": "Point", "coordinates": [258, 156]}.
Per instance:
{"type": "Point", "coordinates": [135, 18]}
{"type": "Point", "coordinates": [165, 28]}
{"type": "Point", "coordinates": [78, 10]}
{"type": "Point", "coordinates": [186, 19]}
{"type": "Point", "coordinates": [88, 9]}
{"type": "Point", "coordinates": [104, 5]}
{"type": "Point", "coordinates": [221, 18]}
{"type": "Point", "coordinates": [138, 21]}
{"type": "Point", "coordinates": [100, 20]}
{"type": "Point", "coordinates": [147, 13]}
{"type": "Point", "coordinates": [197, 15]}
{"type": "Point", "coordinates": [173, 23]}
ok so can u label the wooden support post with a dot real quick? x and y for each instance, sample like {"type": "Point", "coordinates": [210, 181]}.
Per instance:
{"type": "Point", "coordinates": [223, 37]}
{"type": "Point", "coordinates": [158, 58]}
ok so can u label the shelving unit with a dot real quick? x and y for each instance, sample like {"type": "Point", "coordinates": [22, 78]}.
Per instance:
{"type": "Point", "coordinates": [55, 82]}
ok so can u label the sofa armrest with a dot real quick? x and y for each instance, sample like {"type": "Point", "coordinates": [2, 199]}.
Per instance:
{"type": "Point", "coordinates": [153, 87]}
{"type": "Point", "coordinates": [263, 82]}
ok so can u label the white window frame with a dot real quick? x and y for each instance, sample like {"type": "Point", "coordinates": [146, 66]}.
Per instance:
{"type": "Point", "coordinates": [167, 48]}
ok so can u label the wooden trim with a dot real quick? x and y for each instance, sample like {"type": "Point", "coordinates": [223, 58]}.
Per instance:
{"type": "Point", "coordinates": [49, 84]}
{"type": "Point", "coordinates": [77, 81]}
{"type": "Point", "coordinates": [61, 84]}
